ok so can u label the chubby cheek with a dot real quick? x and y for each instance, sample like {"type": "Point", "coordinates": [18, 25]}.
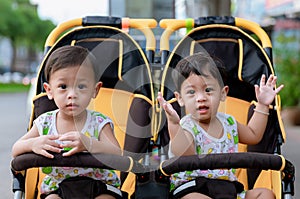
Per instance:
{"type": "Point", "coordinates": [59, 97]}
{"type": "Point", "coordinates": [214, 105]}
{"type": "Point", "coordinates": [59, 101]}
{"type": "Point", "coordinates": [86, 101]}
{"type": "Point", "coordinates": [189, 105]}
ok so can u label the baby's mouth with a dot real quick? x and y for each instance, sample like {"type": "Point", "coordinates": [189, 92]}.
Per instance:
{"type": "Point", "coordinates": [202, 109]}
{"type": "Point", "coordinates": [71, 105]}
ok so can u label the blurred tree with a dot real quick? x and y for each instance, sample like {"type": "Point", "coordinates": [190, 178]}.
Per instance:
{"type": "Point", "coordinates": [287, 61]}
{"type": "Point", "coordinates": [21, 24]}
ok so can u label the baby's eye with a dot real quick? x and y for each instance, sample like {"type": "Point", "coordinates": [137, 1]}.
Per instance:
{"type": "Point", "coordinates": [191, 92]}
{"type": "Point", "coordinates": [208, 90]}
{"type": "Point", "coordinates": [81, 86]}
{"type": "Point", "coordinates": [62, 86]}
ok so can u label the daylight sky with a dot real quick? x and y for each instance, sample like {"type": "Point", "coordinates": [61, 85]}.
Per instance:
{"type": "Point", "coordinates": [62, 10]}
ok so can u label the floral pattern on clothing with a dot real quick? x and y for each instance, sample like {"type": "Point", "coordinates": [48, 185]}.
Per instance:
{"type": "Point", "coordinates": [206, 144]}
{"type": "Point", "coordinates": [54, 175]}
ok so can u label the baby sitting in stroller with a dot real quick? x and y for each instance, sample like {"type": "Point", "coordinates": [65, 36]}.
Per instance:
{"type": "Point", "coordinates": [204, 130]}
{"type": "Point", "coordinates": [72, 81]}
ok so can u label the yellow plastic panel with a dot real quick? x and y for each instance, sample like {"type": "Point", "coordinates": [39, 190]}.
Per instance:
{"type": "Point", "coordinates": [239, 109]}
{"type": "Point", "coordinates": [129, 184]}
{"type": "Point", "coordinates": [114, 104]}
{"type": "Point", "coordinates": [30, 182]}
{"type": "Point", "coordinates": [276, 183]}
{"type": "Point", "coordinates": [236, 107]}
{"type": "Point", "coordinates": [264, 180]}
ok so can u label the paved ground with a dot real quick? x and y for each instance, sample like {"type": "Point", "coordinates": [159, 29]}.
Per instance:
{"type": "Point", "coordinates": [13, 124]}
{"type": "Point", "coordinates": [290, 150]}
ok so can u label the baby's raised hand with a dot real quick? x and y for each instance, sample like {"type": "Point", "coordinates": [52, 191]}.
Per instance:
{"type": "Point", "coordinates": [266, 92]}
{"type": "Point", "coordinates": [170, 112]}
{"type": "Point", "coordinates": [46, 143]}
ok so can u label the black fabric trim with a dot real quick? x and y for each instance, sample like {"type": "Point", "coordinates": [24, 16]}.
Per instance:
{"type": "Point", "coordinates": [214, 188]}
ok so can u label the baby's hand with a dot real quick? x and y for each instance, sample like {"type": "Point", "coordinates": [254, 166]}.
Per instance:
{"type": "Point", "coordinates": [266, 92]}
{"type": "Point", "coordinates": [44, 144]}
{"type": "Point", "coordinates": [73, 141]}
{"type": "Point", "coordinates": [170, 112]}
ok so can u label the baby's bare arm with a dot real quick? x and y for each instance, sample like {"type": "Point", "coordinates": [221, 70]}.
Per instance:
{"type": "Point", "coordinates": [107, 142]}
{"type": "Point", "coordinates": [33, 142]}
{"type": "Point", "coordinates": [182, 142]}
{"type": "Point", "coordinates": [265, 94]}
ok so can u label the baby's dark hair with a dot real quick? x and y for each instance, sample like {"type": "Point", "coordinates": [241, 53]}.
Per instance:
{"type": "Point", "coordinates": [69, 56]}
{"type": "Point", "coordinates": [199, 64]}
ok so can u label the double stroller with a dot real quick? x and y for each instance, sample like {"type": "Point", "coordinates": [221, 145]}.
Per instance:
{"type": "Point", "coordinates": [133, 75]}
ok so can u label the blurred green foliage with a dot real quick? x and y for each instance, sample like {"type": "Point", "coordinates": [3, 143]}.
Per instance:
{"type": "Point", "coordinates": [287, 67]}
{"type": "Point", "coordinates": [21, 24]}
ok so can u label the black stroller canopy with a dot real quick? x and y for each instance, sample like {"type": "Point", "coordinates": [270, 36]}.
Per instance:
{"type": "Point", "coordinates": [241, 55]}
{"type": "Point", "coordinates": [116, 54]}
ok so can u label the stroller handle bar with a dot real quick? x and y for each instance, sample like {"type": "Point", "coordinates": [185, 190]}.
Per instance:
{"type": "Point", "coordinates": [224, 161]}
{"type": "Point", "coordinates": [173, 165]}
{"type": "Point", "coordinates": [144, 25]}
{"type": "Point", "coordinates": [171, 25]}
{"type": "Point", "coordinates": [167, 167]}
{"type": "Point", "coordinates": [83, 159]}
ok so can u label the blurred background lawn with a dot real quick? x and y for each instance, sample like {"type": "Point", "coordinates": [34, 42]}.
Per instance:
{"type": "Point", "coordinates": [13, 88]}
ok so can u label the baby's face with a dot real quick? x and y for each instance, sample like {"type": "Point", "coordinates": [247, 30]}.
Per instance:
{"type": "Point", "coordinates": [201, 96]}
{"type": "Point", "coordinates": [72, 88]}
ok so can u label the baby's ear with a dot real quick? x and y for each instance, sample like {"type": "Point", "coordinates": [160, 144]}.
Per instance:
{"type": "Point", "coordinates": [48, 90]}
{"type": "Point", "coordinates": [179, 98]}
{"type": "Point", "coordinates": [224, 93]}
{"type": "Point", "coordinates": [97, 89]}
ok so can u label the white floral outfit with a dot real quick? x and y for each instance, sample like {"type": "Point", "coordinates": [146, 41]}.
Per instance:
{"type": "Point", "coordinates": [206, 144]}
{"type": "Point", "coordinates": [46, 124]}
